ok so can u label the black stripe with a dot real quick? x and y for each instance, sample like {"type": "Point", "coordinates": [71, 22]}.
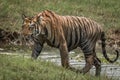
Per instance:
{"type": "Point", "coordinates": [76, 36]}
{"type": "Point", "coordinates": [79, 29]}
{"type": "Point", "coordinates": [53, 42]}
{"type": "Point", "coordinates": [75, 27]}
{"type": "Point", "coordinates": [85, 28]}
{"type": "Point", "coordinates": [58, 45]}
{"type": "Point", "coordinates": [70, 42]}
{"type": "Point", "coordinates": [68, 31]}
{"type": "Point", "coordinates": [46, 32]}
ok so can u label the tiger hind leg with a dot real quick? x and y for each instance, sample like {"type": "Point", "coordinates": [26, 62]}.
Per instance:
{"type": "Point", "coordinates": [89, 63]}
{"type": "Point", "coordinates": [97, 64]}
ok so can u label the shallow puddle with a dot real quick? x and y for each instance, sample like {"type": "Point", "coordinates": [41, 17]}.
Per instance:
{"type": "Point", "coordinates": [110, 70]}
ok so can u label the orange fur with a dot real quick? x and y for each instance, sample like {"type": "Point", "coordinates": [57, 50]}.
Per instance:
{"type": "Point", "coordinates": [66, 33]}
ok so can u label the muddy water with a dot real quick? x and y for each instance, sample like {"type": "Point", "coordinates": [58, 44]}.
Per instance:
{"type": "Point", "coordinates": [110, 70]}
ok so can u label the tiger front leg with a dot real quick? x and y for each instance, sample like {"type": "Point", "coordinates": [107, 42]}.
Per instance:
{"type": "Point", "coordinates": [64, 55]}
{"type": "Point", "coordinates": [36, 50]}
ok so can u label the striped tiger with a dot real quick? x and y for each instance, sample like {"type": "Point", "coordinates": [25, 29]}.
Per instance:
{"type": "Point", "coordinates": [66, 33]}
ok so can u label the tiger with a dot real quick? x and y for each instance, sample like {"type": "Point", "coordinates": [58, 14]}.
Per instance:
{"type": "Point", "coordinates": [67, 33]}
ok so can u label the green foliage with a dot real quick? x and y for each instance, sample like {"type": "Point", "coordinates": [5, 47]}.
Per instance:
{"type": "Point", "coordinates": [20, 68]}
{"type": "Point", "coordinates": [103, 11]}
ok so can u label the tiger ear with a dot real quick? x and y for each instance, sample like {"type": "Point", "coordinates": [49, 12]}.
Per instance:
{"type": "Point", "coordinates": [23, 16]}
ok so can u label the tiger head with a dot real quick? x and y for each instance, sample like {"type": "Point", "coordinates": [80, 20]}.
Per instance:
{"type": "Point", "coordinates": [33, 25]}
{"type": "Point", "coordinates": [27, 26]}
{"type": "Point", "coordinates": [40, 24]}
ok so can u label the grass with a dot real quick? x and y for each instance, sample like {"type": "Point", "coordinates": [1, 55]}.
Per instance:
{"type": "Point", "coordinates": [105, 12]}
{"type": "Point", "coordinates": [19, 68]}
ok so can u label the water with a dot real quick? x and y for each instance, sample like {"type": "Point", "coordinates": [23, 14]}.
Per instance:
{"type": "Point", "coordinates": [110, 70]}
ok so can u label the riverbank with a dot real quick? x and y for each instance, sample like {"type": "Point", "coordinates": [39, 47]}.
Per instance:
{"type": "Point", "coordinates": [20, 66]}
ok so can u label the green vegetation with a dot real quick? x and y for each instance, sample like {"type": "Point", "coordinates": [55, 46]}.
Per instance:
{"type": "Point", "coordinates": [20, 68]}
{"type": "Point", "coordinates": [103, 11]}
